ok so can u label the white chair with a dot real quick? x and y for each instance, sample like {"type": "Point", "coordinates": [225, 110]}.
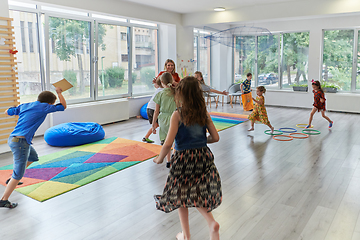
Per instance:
{"type": "Point", "coordinates": [209, 95]}
{"type": "Point", "coordinates": [234, 92]}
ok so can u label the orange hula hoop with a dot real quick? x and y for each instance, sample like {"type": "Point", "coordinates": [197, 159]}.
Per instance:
{"type": "Point", "coordinates": [298, 137]}
{"type": "Point", "coordinates": [283, 140]}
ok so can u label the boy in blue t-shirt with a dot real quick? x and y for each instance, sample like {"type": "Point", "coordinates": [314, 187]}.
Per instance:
{"type": "Point", "coordinates": [31, 116]}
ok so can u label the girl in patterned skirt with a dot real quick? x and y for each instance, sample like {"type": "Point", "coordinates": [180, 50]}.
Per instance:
{"type": "Point", "coordinates": [319, 103]}
{"type": "Point", "coordinates": [259, 114]}
{"type": "Point", "coordinates": [193, 180]}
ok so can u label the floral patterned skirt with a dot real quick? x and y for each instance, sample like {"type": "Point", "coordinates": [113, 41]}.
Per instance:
{"type": "Point", "coordinates": [193, 181]}
{"type": "Point", "coordinates": [259, 115]}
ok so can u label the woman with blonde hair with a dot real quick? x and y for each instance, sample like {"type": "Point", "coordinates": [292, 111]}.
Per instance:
{"type": "Point", "coordinates": [170, 68]}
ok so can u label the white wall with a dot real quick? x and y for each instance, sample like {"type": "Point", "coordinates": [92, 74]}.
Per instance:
{"type": "Point", "coordinates": [121, 8]}
{"type": "Point", "coordinates": [167, 40]}
{"type": "Point", "coordinates": [4, 9]}
{"type": "Point", "coordinates": [184, 48]}
{"type": "Point", "coordinates": [273, 11]}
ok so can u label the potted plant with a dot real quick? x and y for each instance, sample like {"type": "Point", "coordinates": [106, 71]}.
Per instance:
{"type": "Point", "coordinates": [300, 87]}
{"type": "Point", "coordinates": [329, 87]}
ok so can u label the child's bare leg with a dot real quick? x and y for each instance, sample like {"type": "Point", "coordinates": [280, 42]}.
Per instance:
{"type": "Point", "coordinates": [313, 111]}
{"type": "Point", "coordinates": [252, 126]}
{"type": "Point", "coordinates": [168, 156]}
{"type": "Point", "coordinates": [213, 225]}
{"type": "Point", "coordinates": [10, 188]}
{"type": "Point", "coordinates": [184, 220]}
{"type": "Point", "coordinates": [323, 115]}
{"type": "Point", "coordinates": [12, 185]}
{"type": "Point", "coordinates": [271, 127]}
{"type": "Point", "coordinates": [148, 133]}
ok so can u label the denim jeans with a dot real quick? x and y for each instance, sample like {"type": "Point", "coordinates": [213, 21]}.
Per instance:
{"type": "Point", "coordinates": [22, 153]}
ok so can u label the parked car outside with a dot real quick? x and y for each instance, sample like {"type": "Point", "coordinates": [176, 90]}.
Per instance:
{"type": "Point", "coordinates": [267, 78]}
{"type": "Point", "coordinates": [237, 77]}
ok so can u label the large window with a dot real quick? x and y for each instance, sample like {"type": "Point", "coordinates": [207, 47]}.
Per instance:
{"type": "Point", "coordinates": [202, 55]}
{"type": "Point", "coordinates": [244, 57]}
{"type": "Point", "coordinates": [28, 57]}
{"type": "Point", "coordinates": [101, 58]}
{"type": "Point", "coordinates": [358, 63]}
{"type": "Point", "coordinates": [144, 60]}
{"type": "Point", "coordinates": [268, 61]}
{"type": "Point", "coordinates": [295, 58]}
{"type": "Point", "coordinates": [262, 55]}
{"type": "Point", "coordinates": [195, 60]}
{"type": "Point", "coordinates": [71, 59]}
{"type": "Point", "coordinates": [113, 64]}
{"type": "Point", "coordinates": [204, 59]}
{"type": "Point", "coordinates": [338, 58]}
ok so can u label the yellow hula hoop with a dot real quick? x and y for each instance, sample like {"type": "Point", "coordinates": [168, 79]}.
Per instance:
{"type": "Point", "coordinates": [303, 125]}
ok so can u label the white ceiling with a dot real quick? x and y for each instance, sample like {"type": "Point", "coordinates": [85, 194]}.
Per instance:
{"type": "Point", "coordinates": [191, 6]}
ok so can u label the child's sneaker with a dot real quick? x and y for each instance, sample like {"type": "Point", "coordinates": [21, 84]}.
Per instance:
{"type": "Point", "coordinates": [147, 140]}
{"type": "Point", "coordinates": [7, 204]}
{"type": "Point", "coordinates": [330, 124]}
{"type": "Point", "coordinates": [308, 126]}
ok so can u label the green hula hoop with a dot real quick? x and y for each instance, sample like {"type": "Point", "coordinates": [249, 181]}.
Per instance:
{"type": "Point", "coordinates": [311, 131]}
{"type": "Point", "coordinates": [276, 132]}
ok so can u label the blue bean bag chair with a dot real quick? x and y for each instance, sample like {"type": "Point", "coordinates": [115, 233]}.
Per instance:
{"type": "Point", "coordinates": [143, 112]}
{"type": "Point", "coordinates": [74, 134]}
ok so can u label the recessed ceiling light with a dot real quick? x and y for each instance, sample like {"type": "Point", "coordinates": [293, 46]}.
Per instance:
{"type": "Point", "coordinates": [219, 9]}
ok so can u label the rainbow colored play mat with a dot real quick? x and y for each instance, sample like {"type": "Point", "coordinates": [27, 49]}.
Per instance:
{"type": "Point", "coordinates": [68, 169]}
{"type": "Point", "coordinates": [223, 120]}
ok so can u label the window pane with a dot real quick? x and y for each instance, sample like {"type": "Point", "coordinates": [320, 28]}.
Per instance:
{"type": "Point", "coordinates": [205, 59]}
{"type": "Point", "coordinates": [28, 58]}
{"type": "Point", "coordinates": [268, 63]}
{"type": "Point", "coordinates": [358, 65]}
{"type": "Point", "coordinates": [113, 60]}
{"type": "Point", "coordinates": [337, 58]}
{"type": "Point", "coordinates": [295, 59]}
{"type": "Point", "coordinates": [244, 58]}
{"type": "Point", "coordinates": [71, 58]}
{"type": "Point", "coordinates": [144, 60]}
{"type": "Point", "coordinates": [195, 53]}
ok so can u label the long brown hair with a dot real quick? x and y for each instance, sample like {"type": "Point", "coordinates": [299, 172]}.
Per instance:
{"type": "Point", "coordinates": [189, 97]}
{"type": "Point", "coordinates": [318, 84]}
{"type": "Point", "coordinates": [166, 62]}
{"type": "Point", "coordinates": [202, 79]}
{"type": "Point", "coordinates": [167, 80]}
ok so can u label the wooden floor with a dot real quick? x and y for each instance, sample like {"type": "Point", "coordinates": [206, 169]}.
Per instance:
{"type": "Point", "coordinates": [272, 190]}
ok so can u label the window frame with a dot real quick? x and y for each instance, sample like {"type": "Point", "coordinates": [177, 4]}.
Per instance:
{"type": "Point", "coordinates": [354, 65]}
{"type": "Point", "coordinates": [42, 33]}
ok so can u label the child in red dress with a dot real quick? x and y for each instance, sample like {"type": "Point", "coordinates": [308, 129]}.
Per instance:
{"type": "Point", "coordinates": [319, 103]}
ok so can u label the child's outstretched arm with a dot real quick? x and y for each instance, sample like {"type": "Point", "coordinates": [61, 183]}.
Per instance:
{"type": "Point", "coordinates": [155, 117]}
{"type": "Point", "coordinates": [173, 129]}
{"type": "Point", "coordinates": [61, 97]}
{"type": "Point", "coordinates": [260, 102]}
{"type": "Point", "coordinates": [214, 135]}
{"type": "Point", "coordinates": [219, 92]}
